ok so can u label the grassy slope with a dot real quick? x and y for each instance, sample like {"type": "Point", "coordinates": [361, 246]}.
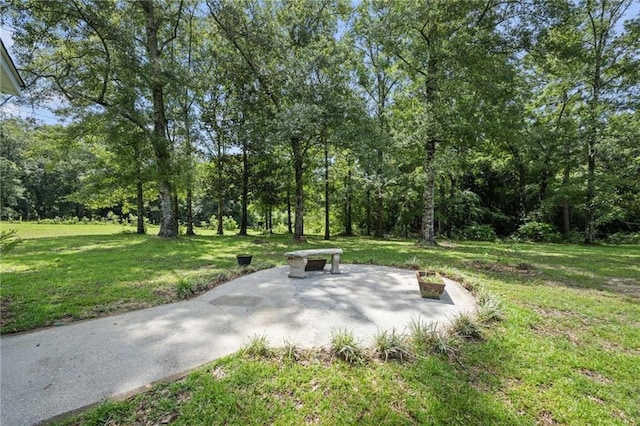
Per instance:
{"type": "Point", "coordinates": [568, 351]}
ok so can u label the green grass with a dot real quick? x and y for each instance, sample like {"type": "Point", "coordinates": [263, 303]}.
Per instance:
{"type": "Point", "coordinates": [567, 350]}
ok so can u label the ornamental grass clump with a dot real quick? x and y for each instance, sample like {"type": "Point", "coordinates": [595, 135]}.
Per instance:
{"type": "Point", "coordinates": [258, 346]}
{"type": "Point", "coordinates": [391, 345]}
{"type": "Point", "coordinates": [428, 338]}
{"type": "Point", "coordinates": [184, 288]}
{"type": "Point", "coordinates": [489, 308]}
{"type": "Point", "coordinates": [466, 327]}
{"type": "Point", "coordinates": [346, 347]}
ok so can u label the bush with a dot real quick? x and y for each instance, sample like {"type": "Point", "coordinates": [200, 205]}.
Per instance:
{"type": "Point", "coordinates": [624, 238]}
{"type": "Point", "coordinates": [539, 232]}
{"type": "Point", "coordinates": [477, 233]}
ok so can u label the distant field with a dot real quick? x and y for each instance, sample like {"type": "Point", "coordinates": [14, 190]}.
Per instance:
{"type": "Point", "coordinates": [42, 230]}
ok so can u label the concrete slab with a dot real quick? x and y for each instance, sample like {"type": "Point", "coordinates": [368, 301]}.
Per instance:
{"type": "Point", "coordinates": [57, 370]}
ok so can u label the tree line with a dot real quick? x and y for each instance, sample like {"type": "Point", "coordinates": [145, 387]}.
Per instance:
{"type": "Point", "coordinates": [469, 119]}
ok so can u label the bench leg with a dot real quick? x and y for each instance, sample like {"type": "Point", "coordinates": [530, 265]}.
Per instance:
{"type": "Point", "coordinates": [296, 267]}
{"type": "Point", "coordinates": [335, 263]}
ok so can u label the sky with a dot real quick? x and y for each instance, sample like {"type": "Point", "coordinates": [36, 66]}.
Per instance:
{"type": "Point", "coordinates": [11, 109]}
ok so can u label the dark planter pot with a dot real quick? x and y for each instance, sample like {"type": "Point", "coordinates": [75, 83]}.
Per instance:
{"type": "Point", "coordinates": [315, 264]}
{"type": "Point", "coordinates": [244, 259]}
{"type": "Point", "coordinates": [431, 284]}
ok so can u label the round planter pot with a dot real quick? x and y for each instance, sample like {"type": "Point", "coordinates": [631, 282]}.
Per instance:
{"type": "Point", "coordinates": [244, 259]}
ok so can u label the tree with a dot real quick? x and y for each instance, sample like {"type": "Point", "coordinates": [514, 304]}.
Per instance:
{"type": "Point", "coordinates": [110, 56]}
{"type": "Point", "coordinates": [377, 77]}
{"type": "Point", "coordinates": [286, 48]}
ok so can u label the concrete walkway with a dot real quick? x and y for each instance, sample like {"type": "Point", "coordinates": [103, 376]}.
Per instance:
{"type": "Point", "coordinates": [57, 370]}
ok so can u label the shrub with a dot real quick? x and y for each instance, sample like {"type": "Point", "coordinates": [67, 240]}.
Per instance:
{"type": "Point", "coordinates": [345, 347]}
{"type": "Point", "coordinates": [624, 238]}
{"type": "Point", "coordinates": [477, 233]}
{"type": "Point", "coordinates": [538, 232]}
{"type": "Point", "coordinates": [391, 345]}
{"type": "Point", "coordinates": [229, 223]}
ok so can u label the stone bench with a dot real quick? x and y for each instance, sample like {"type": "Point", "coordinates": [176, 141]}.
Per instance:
{"type": "Point", "coordinates": [298, 260]}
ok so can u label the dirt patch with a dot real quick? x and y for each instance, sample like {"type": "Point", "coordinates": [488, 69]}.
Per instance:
{"type": "Point", "coordinates": [625, 286]}
{"type": "Point", "coordinates": [522, 268]}
{"type": "Point", "coordinates": [546, 418]}
{"type": "Point", "coordinates": [595, 376]}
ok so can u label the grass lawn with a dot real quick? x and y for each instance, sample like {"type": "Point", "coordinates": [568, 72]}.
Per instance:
{"type": "Point", "coordinates": [568, 350]}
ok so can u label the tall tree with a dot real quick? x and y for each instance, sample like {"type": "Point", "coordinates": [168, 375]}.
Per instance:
{"type": "Point", "coordinates": [112, 56]}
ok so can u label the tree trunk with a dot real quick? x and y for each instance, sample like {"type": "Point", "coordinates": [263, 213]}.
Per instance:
{"type": "Point", "coordinates": [379, 219]}
{"type": "Point", "coordinates": [428, 231]}
{"type": "Point", "coordinates": [174, 202]}
{"type": "Point", "coordinates": [368, 228]}
{"type": "Point", "coordinates": [327, 233]}
{"type": "Point", "coordinates": [443, 207]}
{"type": "Point", "coordinates": [245, 191]}
{"type": "Point", "coordinates": [161, 144]}
{"type": "Point", "coordinates": [592, 141]}
{"type": "Point", "coordinates": [298, 161]}
{"type": "Point", "coordinates": [566, 206]}
{"type": "Point", "coordinates": [379, 197]}
{"type": "Point", "coordinates": [139, 191]}
{"type": "Point", "coordinates": [289, 229]}
{"type": "Point", "coordinates": [348, 226]}
{"type": "Point", "coordinates": [190, 232]}
{"type": "Point", "coordinates": [220, 230]}
{"type": "Point", "coordinates": [140, 205]}
{"type": "Point", "coordinates": [220, 187]}
{"type": "Point", "coordinates": [591, 192]}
